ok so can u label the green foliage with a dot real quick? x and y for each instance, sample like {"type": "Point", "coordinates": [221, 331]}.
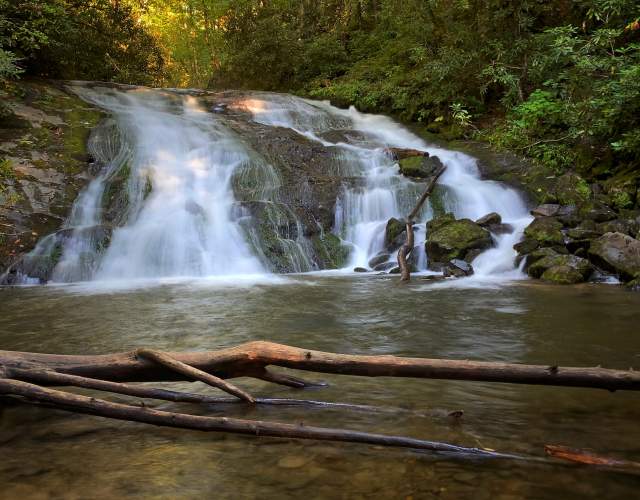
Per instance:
{"type": "Point", "coordinates": [93, 40]}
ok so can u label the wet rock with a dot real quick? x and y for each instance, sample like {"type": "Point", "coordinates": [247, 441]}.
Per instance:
{"type": "Point", "coordinates": [379, 259]}
{"type": "Point", "coordinates": [562, 275]}
{"type": "Point", "coordinates": [499, 229]}
{"type": "Point", "coordinates": [586, 230]}
{"type": "Point", "coordinates": [538, 254]}
{"type": "Point", "coordinates": [394, 234]}
{"type": "Point", "coordinates": [360, 270]}
{"type": "Point", "coordinates": [384, 266]}
{"type": "Point", "coordinates": [394, 270]}
{"type": "Point", "coordinates": [472, 254]}
{"type": "Point", "coordinates": [453, 239]}
{"type": "Point", "coordinates": [526, 246]}
{"type": "Point", "coordinates": [617, 252]}
{"type": "Point", "coordinates": [440, 221]}
{"type": "Point", "coordinates": [562, 268]}
{"type": "Point", "coordinates": [420, 166]}
{"type": "Point", "coordinates": [433, 277]}
{"type": "Point", "coordinates": [458, 267]}
{"type": "Point", "coordinates": [546, 210]}
{"type": "Point", "coordinates": [490, 219]}
{"type": "Point", "coordinates": [403, 153]}
{"type": "Point", "coordinates": [633, 285]}
{"type": "Point", "coordinates": [546, 231]}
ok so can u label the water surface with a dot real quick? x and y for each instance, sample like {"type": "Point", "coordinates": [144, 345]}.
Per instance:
{"type": "Point", "coordinates": [51, 454]}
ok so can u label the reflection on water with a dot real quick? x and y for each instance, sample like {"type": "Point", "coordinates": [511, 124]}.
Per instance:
{"type": "Point", "coordinates": [51, 454]}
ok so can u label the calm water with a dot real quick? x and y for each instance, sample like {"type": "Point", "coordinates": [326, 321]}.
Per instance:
{"type": "Point", "coordinates": [50, 454]}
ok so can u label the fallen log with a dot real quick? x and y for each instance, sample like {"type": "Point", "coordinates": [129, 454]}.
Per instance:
{"type": "Point", "coordinates": [252, 359]}
{"type": "Point", "coordinates": [93, 406]}
{"type": "Point", "coordinates": [407, 247]}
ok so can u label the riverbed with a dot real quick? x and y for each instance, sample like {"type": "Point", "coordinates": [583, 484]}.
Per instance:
{"type": "Point", "coordinates": [53, 454]}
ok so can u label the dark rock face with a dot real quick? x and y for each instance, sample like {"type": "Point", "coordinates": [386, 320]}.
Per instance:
{"type": "Point", "coordinates": [449, 239]}
{"type": "Point", "coordinates": [43, 164]}
{"type": "Point", "coordinates": [617, 252]}
{"type": "Point", "coordinates": [379, 259]}
{"type": "Point", "coordinates": [490, 219]}
{"type": "Point", "coordinates": [457, 268]}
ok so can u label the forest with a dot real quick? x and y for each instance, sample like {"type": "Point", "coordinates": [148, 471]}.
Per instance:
{"type": "Point", "coordinates": [556, 81]}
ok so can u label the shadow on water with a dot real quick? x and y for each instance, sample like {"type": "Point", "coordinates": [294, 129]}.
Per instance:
{"type": "Point", "coordinates": [51, 454]}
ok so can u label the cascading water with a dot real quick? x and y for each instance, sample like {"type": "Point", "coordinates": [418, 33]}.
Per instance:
{"type": "Point", "coordinates": [181, 193]}
{"type": "Point", "coordinates": [363, 211]}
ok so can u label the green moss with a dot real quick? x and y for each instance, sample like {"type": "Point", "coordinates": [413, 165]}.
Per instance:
{"type": "Point", "coordinates": [455, 239]}
{"type": "Point", "coordinates": [562, 275]}
{"type": "Point", "coordinates": [546, 231]}
{"type": "Point", "coordinates": [331, 251]}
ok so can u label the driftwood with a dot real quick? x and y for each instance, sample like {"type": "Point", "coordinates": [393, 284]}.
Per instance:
{"type": "Point", "coordinates": [407, 247]}
{"type": "Point", "coordinates": [21, 371]}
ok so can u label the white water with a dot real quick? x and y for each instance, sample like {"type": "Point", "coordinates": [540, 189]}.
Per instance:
{"type": "Point", "coordinates": [184, 226]}
{"type": "Point", "coordinates": [362, 213]}
{"type": "Point", "coordinates": [181, 218]}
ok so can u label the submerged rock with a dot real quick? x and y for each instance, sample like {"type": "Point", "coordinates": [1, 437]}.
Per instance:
{"type": "Point", "coordinates": [561, 269]}
{"type": "Point", "coordinates": [617, 252]}
{"type": "Point", "coordinates": [360, 270]}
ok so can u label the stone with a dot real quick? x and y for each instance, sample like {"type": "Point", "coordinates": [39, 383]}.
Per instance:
{"type": "Point", "coordinates": [384, 266]}
{"type": "Point", "coordinates": [617, 252]}
{"type": "Point", "coordinates": [526, 246]}
{"type": "Point", "coordinates": [571, 189]}
{"type": "Point", "coordinates": [420, 166]}
{"type": "Point", "coordinates": [462, 265]}
{"type": "Point", "coordinates": [568, 215]}
{"type": "Point", "coordinates": [546, 231]}
{"type": "Point", "coordinates": [562, 275]}
{"type": "Point", "coordinates": [538, 254]}
{"type": "Point", "coordinates": [499, 229]}
{"type": "Point", "coordinates": [440, 221]}
{"type": "Point", "coordinates": [598, 213]}
{"type": "Point", "coordinates": [546, 210]}
{"type": "Point", "coordinates": [381, 258]}
{"type": "Point", "coordinates": [578, 266]}
{"type": "Point", "coordinates": [402, 153]}
{"type": "Point", "coordinates": [455, 239]}
{"type": "Point", "coordinates": [394, 234]}
{"type": "Point", "coordinates": [625, 226]}
{"type": "Point", "coordinates": [359, 270]}
{"type": "Point", "coordinates": [490, 219]}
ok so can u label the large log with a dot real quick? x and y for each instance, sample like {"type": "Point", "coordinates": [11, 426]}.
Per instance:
{"type": "Point", "coordinates": [252, 358]}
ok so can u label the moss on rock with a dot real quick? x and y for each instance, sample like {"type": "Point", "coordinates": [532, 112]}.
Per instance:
{"type": "Point", "coordinates": [546, 231]}
{"type": "Point", "coordinates": [453, 240]}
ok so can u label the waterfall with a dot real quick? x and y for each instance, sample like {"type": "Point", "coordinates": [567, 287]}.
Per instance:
{"type": "Point", "coordinates": [180, 192]}
{"type": "Point", "coordinates": [363, 211]}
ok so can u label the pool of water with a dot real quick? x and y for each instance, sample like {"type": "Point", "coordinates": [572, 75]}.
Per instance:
{"type": "Point", "coordinates": [53, 454]}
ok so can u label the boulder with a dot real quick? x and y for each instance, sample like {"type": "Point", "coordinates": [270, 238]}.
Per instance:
{"type": "Point", "coordinates": [561, 269]}
{"type": "Point", "coordinates": [562, 275]}
{"type": "Point", "coordinates": [568, 215]}
{"type": "Point", "coordinates": [457, 268]}
{"type": "Point", "coordinates": [546, 231]}
{"type": "Point", "coordinates": [381, 258]}
{"type": "Point", "coordinates": [546, 210]}
{"type": "Point", "coordinates": [526, 246]}
{"type": "Point", "coordinates": [500, 228]}
{"type": "Point", "coordinates": [384, 266]}
{"type": "Point", "coordinates": [624, 226]}
{"type": "Point", "coordinates": [359, 270]}
{"type": "Point", "coordinates": [598, 212]}
{"type": "Point", "coordinates": [420, 166]}
{"type": "Point", "coordinates": [617, 252]}
{"type": "Point", "coordinates": [490, 219]}
{"type": "Point", "coordinates": [571, 189]}
{"type": "Point", "coordinates": [537, 255]}
{"type": "Point", "coordinates": [403, 153]}
{"type": "Point", "coordinates": [394, 234]}
{"type": "Point", "coordinates": [454, 239]}
{"type": "Point", "coordinates": [440, 221]}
